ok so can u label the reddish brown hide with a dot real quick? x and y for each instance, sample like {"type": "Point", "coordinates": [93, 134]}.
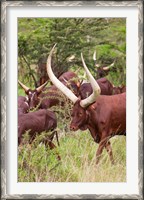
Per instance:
{"type": "Point", "coordinates": [67, 76]}
{"type": "Point", "coordinates": [49, 97]}
{"type": "Point", "coordinates": [46, 97]}
{"type": "Point", "coordinates": [104, 119]}
{"type": "Point", "coordinates": [119, 89]}
{"type": "Point", "coordinates": [101, 72]}
{"type": "Point", "coordinates": [23, 106]}
{"type": "Point", "coordinates": [106, 87]}
{"type": "Point", "coordinates": [52, 96]}
{"type": "Point", "coordinates": [37, 122]}
{"type": "Point", "coordinates": [85, 89]}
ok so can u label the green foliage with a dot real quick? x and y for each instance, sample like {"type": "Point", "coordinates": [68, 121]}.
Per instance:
{"type": "Point", "coordinates": [36, 36]}
{"type": "Point", "coordinates": [21, 92]}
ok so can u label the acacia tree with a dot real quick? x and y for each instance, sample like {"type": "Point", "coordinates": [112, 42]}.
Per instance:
{"type": "Point", "coordinates": [36, 36]}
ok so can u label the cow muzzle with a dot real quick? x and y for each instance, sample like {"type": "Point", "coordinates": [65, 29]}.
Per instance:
{"type": "Point", "coordinates": [73, 127]}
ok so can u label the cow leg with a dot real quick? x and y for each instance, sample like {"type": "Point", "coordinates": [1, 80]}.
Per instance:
{"type": "Point", "coordinates": [52, 136]}
{"type": "Point", "coordinates": [52, 146]}
{"type": "Point", "coordinates": [102, 144]}
{"type": "Point", "coordinates": [100, 149]}
{"type": "Point", "coordinates": [57, 138]}
{"type": "Point", "coordinates": [109, 150]}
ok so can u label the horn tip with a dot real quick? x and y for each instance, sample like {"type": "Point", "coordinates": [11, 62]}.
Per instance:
{"type": "Point", "coordinates": [81, 55]}
{"type": "Point", "coordinates": [54, 45]}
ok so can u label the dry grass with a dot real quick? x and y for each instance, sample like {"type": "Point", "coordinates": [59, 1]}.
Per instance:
{"type": "Point", "coordinates": [38, 163]}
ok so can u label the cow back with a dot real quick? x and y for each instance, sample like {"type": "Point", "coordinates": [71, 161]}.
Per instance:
{"type": "Point", "coordinates": [106, 87]}
{"type": "Point", "coordinates": [109, 113]}
{"type": "Point", "coordinates": [50, 96]}
{"type": "Point", "coordinates": [36, 122]}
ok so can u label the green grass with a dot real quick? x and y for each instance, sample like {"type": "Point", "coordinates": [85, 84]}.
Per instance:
{"type": "Point", "coordinates": [37, 163]}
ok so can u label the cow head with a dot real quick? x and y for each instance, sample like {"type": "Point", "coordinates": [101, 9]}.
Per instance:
{"type": "Point", "coordinates": [79, 117]}
{"type": "Point", "coordinates": [101, 71]}
{"type": "Point", "coordinates": [32, 95]}
{"type": "Point", "coordinates": [80, 106]}
{"type": "Point", "coordinates": [70, 80]}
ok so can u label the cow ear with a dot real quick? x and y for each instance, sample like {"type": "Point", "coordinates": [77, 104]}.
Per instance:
{"type": "Point", "coordinates": [79, 83]}
{"type": "Point", "coordinates": [39, 92]}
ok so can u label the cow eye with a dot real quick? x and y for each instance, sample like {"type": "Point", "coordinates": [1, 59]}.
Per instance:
{"type": "Point", "coordinates": [80, 114]}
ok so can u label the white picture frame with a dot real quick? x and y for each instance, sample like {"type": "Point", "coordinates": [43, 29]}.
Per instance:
{"type": "Point", "coordinates": [7, 7]}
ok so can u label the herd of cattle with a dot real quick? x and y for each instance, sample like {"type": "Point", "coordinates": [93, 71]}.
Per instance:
{"type": "Point", "coordinates": [98, 106]}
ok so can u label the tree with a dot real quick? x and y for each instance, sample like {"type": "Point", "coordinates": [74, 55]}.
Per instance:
{"type": "Point", "coordinates": [36, 36]}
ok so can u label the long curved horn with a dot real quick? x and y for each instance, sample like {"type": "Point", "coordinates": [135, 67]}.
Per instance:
{"type": "Point", "coordinates": [39, 89]}
{"type": "Point", "coordinates": [24, 86]}
{"type": "Point", "coordinates": [94, 56]}
{"type": "Point", "coordinates": [108, 67]}
{"type": "Point", "coordinates": [96, 89]}
{"type": "Point", "coordinates": [56, 82]}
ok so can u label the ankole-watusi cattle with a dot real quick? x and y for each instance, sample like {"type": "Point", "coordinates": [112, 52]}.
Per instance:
{"type": "Point", "coordinates": [106, 87]}
{"type": "Point", "coordinates": [23, 106]}
{"type": "Point", "coordinates": [37, 122]}
{"type": "Point", "coordinates": [101, 71]}
{"type": "Point", "coordinates": [85, 89]}
{"type": "Point", "coordinates": [104, 116]}
{"type": "Point", "coordinates": [45, 97]}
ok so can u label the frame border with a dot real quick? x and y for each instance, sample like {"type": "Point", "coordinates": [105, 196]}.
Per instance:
{"type": "Point", "coordinates": [4, 5]}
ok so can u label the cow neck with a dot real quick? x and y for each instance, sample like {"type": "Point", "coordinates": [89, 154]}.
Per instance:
{"type": "Point", "coordinates": [90, 125]}
{"type": "Point", "coordinates": [89, 117]}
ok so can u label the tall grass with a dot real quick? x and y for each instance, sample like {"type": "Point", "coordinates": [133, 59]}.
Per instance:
{"type": "Point", "coordinates": [37, 163]}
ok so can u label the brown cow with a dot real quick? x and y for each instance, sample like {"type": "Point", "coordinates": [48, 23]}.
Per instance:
{"type": "Point", "coordinates": [101, 71]}
{"type": "Point", "coordinates": [37, 122]}
{"type": "Point", "coordinates": [85, 89]}
{"type": "Point", "coordinates": [104, 116]}
{"type": "Point", "coordinates": [23, 106]}
{"type": "Point", "coordinates": [45, 97]}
